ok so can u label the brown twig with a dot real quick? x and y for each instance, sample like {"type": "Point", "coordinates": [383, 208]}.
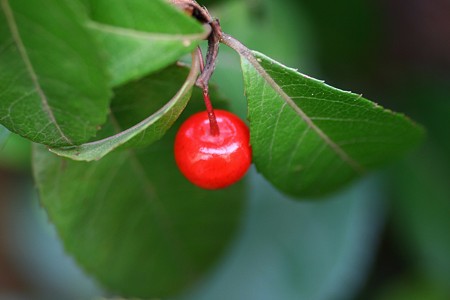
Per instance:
{"type": "Point", "coordinates": [192, 8]}
{"type": "Point", "coordinates": [199, 12]}
{"type": "Point", "coordinates": [214, 127]}
{"type": "Point", "coordinates": [211, 56]}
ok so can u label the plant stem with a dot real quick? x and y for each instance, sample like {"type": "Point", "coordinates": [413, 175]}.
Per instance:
{"type": "Point", "coordinates": [238, 47]}
{"type": "Point", "coordinates": [214, 127]}
{"type": "Point", "coordinates": [212, 53]}
{"type": "Point", "coordinates": [201, 14]}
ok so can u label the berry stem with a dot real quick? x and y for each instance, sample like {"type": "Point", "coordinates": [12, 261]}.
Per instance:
{"type": "Point", "coordinates": [214, 127]}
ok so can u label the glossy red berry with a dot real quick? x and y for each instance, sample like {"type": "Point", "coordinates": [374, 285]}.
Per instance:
{"type": "Point", "coordinates": [213, 161]}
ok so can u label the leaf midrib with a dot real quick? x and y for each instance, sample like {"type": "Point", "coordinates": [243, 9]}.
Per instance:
{"type": "Point", "coordinates": [29, 67]}
{"type": "Point", "coordinates": [145, 35]}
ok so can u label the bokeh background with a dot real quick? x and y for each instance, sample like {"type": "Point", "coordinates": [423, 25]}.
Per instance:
{"type": "Point", "coordinates": [385, 237]}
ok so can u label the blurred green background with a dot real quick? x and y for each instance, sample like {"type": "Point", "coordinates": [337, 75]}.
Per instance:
{"type": "Point", "coordinates": [385, 237]}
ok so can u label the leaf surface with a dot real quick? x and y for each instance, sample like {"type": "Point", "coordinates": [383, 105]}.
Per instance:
{"type": "Point", "coordinates": [133, 221]}
{"type": "Point", "coordinates": [151, 95]}
{"type": "Point", "coordinates": [140, 37]}
{"type": "Point", "coordinates": [53, 88]}
{"type": "Point", "coordinates": [309, 138]}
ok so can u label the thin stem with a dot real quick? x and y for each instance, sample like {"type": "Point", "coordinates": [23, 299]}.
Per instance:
{"type": "Point", "coordinates": [211, 56]}
{"type": "Point", "coordinates": [214, 127]}
{"type": "Point", "coordinates": [207, 69]}
{"type": "Point", "coordinates": [200, 59]}
{"type": "Point", "coordinates": [238, 47]}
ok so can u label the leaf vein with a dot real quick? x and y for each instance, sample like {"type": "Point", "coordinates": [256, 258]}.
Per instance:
{"type": "Point", "coordinates": [347, 120]}
{"type": "Point", "coordinates": [29, 66]}
{"type": "Point", "coordinates": [145, 35]}
{"type": "Point", "coordinates": [297, 146]}
{"type": "Point", "coordinates": [272, 141]}
{"type": "Point", "coordinates": [335, 147]}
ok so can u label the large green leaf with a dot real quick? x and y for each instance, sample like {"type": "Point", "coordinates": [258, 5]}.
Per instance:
{"type": "Point", "coordinates": [151, 95]}
{"type": "Point", "coordinates": [139, 37]}
{"type": "Point", "coordinates": [53, 89]}
{"type": "Point", "coordinates": [133, 221]}
{"type": "Point", "coordinates": [309, 138]}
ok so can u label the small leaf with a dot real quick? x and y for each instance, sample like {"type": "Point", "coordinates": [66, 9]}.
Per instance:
{"type": "Point", "coordinates": [53, 87]}
{"type": "Point", "coordinates": [309, 138]}
{"type": "Point", "coordinates": [140, 37]}
{"type": "Point", "coordinates": [133, 221]}
{"type": "Point", "coordinates": [150, 94]}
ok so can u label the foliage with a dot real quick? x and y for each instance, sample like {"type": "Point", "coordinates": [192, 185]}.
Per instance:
{"type": "Point", "coordinates": [96, 82]}
{"type": "Point", "coordinates": [303, 129]}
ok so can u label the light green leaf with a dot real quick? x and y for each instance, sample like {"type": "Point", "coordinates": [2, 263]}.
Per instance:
{"type": "Point", "coordinates": [133, 221]}
{"type": "Point", "coordinates": [309, 138]}
{"type": "Point", "coordinates": [151, 94]}
{"type": "Point", "coordinates": [139, 37]}
{"type": "Point", "coordinates": [53, 89]}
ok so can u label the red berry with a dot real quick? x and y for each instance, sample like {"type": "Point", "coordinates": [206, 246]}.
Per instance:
{"type": "Point", "coordinates": [213, 161]}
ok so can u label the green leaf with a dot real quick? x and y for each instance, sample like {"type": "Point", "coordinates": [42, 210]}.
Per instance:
{"type": "Point", "coordinates": [53, 87]}
{"type": "Point", "coordinates": [149, 94]}
{"type": "Point", "coordinates": [133, 221]}
{"type": "Point", "coordinates": [309, 138]}
{"type": "Point", "coordinates": [140, 37]}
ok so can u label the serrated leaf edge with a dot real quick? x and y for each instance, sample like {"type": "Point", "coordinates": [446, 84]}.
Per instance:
{"type": "Point", "coordinates": [249, 56]}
